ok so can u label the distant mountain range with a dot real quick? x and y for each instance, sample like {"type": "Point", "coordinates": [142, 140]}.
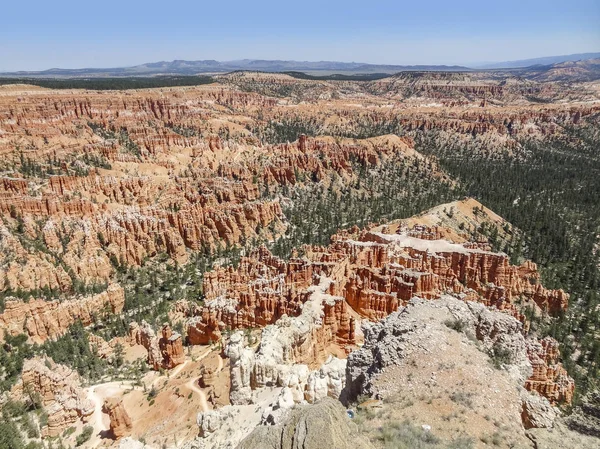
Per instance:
{"type": "Point", "coordinates": [181, 67]}
{"type": "Point", "coordinates": [549, 60]}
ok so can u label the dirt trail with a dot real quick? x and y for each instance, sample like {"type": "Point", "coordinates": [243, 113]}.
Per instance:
{"type": "Point", "coordinates": [191, 384]}
{"type": "Point", "coordinates": [97, 418]}
{"type": "Point", "coordinates": [98, 393]}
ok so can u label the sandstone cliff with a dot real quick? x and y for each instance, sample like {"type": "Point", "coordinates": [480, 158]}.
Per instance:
{"type": "Point", "coordinates": [42, 320]}
{"type": "Point", "coordinates": [165, 351]}
{"type": "Point", "coordinates": [120, 422]}
{"type": "Point", "coordinates": [60, 391]}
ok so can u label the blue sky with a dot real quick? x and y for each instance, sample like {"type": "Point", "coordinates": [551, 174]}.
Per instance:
{"type": "Point", "coordinates": [37, 35]}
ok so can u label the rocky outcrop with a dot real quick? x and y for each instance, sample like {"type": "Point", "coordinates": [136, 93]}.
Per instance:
{"type": "Point", "coordinates": [538, 412]}
{"type": "Point", "coordinates": [42, 320]}
{"type": "Point", "coordinates": [549, 378]}
{"type": "Point", "coordinates": [165, 351]}
{"type": "Point", "coordinates": [106, 349]}
{"type": "Point", "coordinates": [171, 348]}
{"type": "Point", "coordinates": [60, 392]}
{"type": "Point", "coordinates": [389, 341]}
{"type": "Point", "coordinates": [302, 339]}
{"type": "Point", "coordinates": [303, 386]}
{"type": "Point", "coordinates": [324, 424]}
{"type": "Point", "coordinates": [311, 305]}
{"type": "Point", "coordinates": [120, 422]}
{"type": "Point", "coordinates": [371, 272]}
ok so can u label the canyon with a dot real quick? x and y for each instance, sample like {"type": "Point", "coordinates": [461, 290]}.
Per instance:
{"type": "Point", "coordinates": [185, 232]}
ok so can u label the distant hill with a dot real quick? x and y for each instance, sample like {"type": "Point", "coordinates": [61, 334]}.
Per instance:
{"type": "Point", "coordinates": [579, 67]}
{"type": "Point", "coordinates": [180, 67]}
{"type": "Point", "coordinates": [549, 60]}
{"type": "Point", "coordinates": [584, 70]}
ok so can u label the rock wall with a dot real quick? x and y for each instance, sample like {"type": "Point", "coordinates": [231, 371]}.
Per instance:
{"type": "Point", "coordinates": [549, 378]}
{"type": "Point", "coordinates": [42, 320]}
{"type": "Point", "coordinates": [374, 273]}
{"type": "Point", "coordinates": [291, 341]}
{"type": "Point", "coordinates": [60, 391]}
{"type": "Point", "coordinates": [310, 305]}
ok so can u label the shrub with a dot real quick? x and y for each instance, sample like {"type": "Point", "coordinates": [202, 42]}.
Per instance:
{"type": "Point", "coordinates": [462, 398]}
{"type": "Point", "coordinates": [84, 436]}
{"type": "Point", "coordinates": [406, 436]}
{"type": "Point", "coordinates": [457, 324]}
{"type": "Point", "coordinates": [500, 356]}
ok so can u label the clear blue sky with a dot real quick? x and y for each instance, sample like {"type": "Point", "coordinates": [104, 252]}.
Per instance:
{"type": "Point", "coordinates": [36, 35]}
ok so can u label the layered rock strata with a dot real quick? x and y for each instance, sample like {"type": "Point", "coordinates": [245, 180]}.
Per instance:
{"type": "Point", "coordinates": [311, 303]}
{"type": "Point", "coordinates": [165, 351]}
{"type": "Point", "coordinates": [41, 320]}
{"type": "Point", "coordinates": [374, 273]}
{"type": "Point", "coordinates": [60, 392]}
{"type": "Point", "coordinates": [120, 422]}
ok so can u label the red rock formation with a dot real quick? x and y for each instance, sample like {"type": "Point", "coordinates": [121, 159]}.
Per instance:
{"type": "Point", "coordinates": [371, 274]}
{"type": "Point", "coordinates": [549, 377]}
{"type": "Point", "coordinates": [42, 320]}
{"type": "Point", "coordinates": [120, 422]}
{"type": "Point", "coordinates": [60, 391]}
{"type": "Point", "coordinates": [374, 273]}
{"type": "Point", "coordinates": [171, 348]}
{"type": "Point", "coordinates": [164, 352]}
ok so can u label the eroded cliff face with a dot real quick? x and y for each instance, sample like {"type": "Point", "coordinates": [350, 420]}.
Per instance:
{"type": "Point", "coordinates": [374, 273]}
{"type": "Point", "coordinates": [41, 320]}
{"type": "Point", "coordinates": [94, 180]}
{"type": "Point", "coordinates": [59, 389]}
{"type": "Point", "coordinates": [171, 188]}
{"type": "Point", "coordinates": [165, 351]}
{"type": "Point", "coordinates": [120, 422]}
{"type": "Point", "coordinates": [313, 303]}
{"type": "Point", "coordinates": [549, 377]}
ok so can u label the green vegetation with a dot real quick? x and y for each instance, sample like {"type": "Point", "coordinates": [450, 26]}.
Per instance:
{"type": "Point", "coordinates": [287, 128]}
{"type": "Point", "coordinates": [398, 189]}
{"type": "Point", "coordinates": [111, 83]}
{"type": "Point", "coordinates": [72, 166]}
{"type": "Point", "coordinates": [20, 419]}
{"type": "Point", "coordinates": [549, 192]}
{"type": "Point", "coordinates": [13, 352]}
{"type": "Point", "coordinates": [73, 349]}
{"type": "Point", "coordinates": [84, 436]}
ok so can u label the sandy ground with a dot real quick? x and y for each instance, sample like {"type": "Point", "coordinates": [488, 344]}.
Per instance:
{"type": "Point", "coordinates": [167, 419]}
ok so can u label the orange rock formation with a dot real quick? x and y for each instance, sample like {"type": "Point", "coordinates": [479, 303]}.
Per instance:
{"type": "Point", "coordinates": [120, 422]}
{"type": "Point", "coordinates": [165, 351]}
{"type": "Point", "coordinates": [60, 391]}
{"type": "Point", "coordinates": [370, 274]}
{"type": "Point", "coordinates": [42, 320]}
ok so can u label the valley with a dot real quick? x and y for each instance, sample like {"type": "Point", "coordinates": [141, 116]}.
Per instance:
{"type": "Point", "coordinates": [220, 264]}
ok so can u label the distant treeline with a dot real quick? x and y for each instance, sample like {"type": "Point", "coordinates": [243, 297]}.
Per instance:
{"type": "Point", "coordinates": [124, 83]}
{"type": "Point", "coordinates": [111, 83]}
{"type": "Point", "coordinates": [339, 77]}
